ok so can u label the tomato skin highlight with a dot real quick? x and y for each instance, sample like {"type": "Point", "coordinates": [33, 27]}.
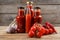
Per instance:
{"type": "Point", "coordinates": [50, 31]}
{"type": "Point", "coordinates": [33, 28]}
{"type": "Point", "coordinates": [46, 31]}
{"type": "Point", "coordinates": [31, 34]}
{"type": "Point", "coordinates": [39, 35]}
{"type": "Point", "coordinates": [41, 29]}
{"type": "Point", "coordinates": [41, 32]}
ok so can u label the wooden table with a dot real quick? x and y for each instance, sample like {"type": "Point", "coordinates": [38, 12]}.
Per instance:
{"type": "Point", "coordinates": [24, 36]}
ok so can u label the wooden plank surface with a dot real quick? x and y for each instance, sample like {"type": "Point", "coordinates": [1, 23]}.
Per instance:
{"type": "Point", "coordinates": [24, 36]}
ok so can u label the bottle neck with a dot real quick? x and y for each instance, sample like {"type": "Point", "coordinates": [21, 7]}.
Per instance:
{"type": "Point", "coordinates": [28, 11]}
{"type": "Point", "coordinates": [29, 6]}
{"type": "Point", "coordinates": [21, 12]}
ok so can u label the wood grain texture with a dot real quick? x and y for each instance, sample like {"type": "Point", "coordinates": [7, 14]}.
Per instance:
{"type": "Point", "coordinates": [49, 9]}
{"type": "Point", "coordinates": [24, 36]}
{"type": "Point", "coordinates": [6, 19]}
{"type": "Point", "coordinates": [50, 13]}
{"type": "Point", "coordinates": [6, 2]}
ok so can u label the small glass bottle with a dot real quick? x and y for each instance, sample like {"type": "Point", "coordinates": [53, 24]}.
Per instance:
{"type": "Point", "coordinates": [20, 19]}
{"type": "Point", "coordinates": [37, 15]}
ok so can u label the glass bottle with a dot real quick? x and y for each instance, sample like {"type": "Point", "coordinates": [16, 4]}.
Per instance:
{"type": "Point", "coordinates": [20, 19]}
{"type": "Point", "coordinates": [37, 15]}
{"type": "Point", "coordinates": [28, 18]}
{"type": "Point", "coordinates": [30, 5]}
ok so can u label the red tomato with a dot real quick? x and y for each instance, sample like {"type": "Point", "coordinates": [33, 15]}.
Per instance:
{"type": "Point", "coordinates": [41, 29]}
{"type": "Point", "coordinates": [51, 26]}
{"type": "Point", "coordinates": [33, 28]}
{"type": "Point", "coordinates": [39, 34]}
{"type": "Point", "coordinates": [38, 29]}
{"type": "Point", "coordinates": [46, 31]}
{"type": "Point", "coordinates": [46, 23]}
{"type": "Point", "coordinates": [50, 31]}
{"type": "Point", "coordinates": [31, 34]}
{"type": "Point", "coordinates": [35, 24]}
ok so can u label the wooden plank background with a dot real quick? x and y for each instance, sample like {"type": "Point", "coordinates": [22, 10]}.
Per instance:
{"type": "Point", "coordinates": [50, 10]}
{"type": "Point", "coordinates": [24, 1]}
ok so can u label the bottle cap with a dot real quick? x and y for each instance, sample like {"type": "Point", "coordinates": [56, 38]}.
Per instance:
{"type": "Point", "coordinates": [30, 2]}
{"type": "Point", "coordinates": [20, 7]}
{"type": "Point", "coordinates": [37, 8]}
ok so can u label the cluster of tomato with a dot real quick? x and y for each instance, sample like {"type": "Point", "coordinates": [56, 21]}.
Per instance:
{"type": "Point", "coordinates": [38, 30]}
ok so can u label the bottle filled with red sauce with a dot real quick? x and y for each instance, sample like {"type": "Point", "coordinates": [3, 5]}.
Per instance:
{"type": "Point", "coordinates": [32, 17]}
{"type": "Point", "coordinates": [30, 5]}
{"type": "Point", "coordinates": [28, 18]}
{"type": "Point", "coordinates": [37, 15]}
{"type": "Point", "coordinates": [20, 19]}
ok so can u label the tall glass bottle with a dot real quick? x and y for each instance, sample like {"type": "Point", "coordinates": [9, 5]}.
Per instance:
{"type": "Point", "coordinates": [28, 18]}
{"type": "Point", "coordinates": [30, 5]}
